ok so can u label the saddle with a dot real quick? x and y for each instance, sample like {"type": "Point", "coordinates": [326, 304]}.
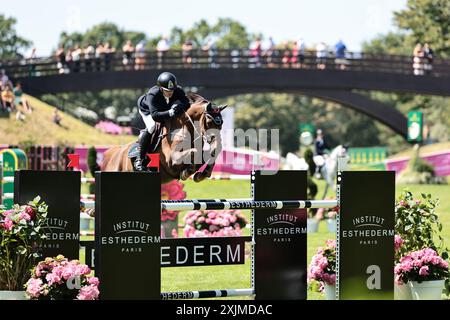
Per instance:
{"type": "Point", "coordinates": [155, 142]}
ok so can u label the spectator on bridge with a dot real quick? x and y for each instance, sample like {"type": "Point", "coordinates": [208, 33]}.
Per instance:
{"type": "Point", "coordinates": [418, 58]}
{"type": "Point", "coordinates": [255, 52]}
{"type": "Point", "coordinates": [20, 99]}
{"type": "Point", "coordinates": [61, 60]}
{"type": "Point", "coordinates": [128, 50]}
{"type": "Point", "coordinates": [108, 53]}
{"type": "Point", "coordinates": [321, 55]}
{"type": "Point", "coordinates": [339, 53]}
{"type": "Point", "coordinates": [269, 48]}
{"type": "Point", "coordinates": [31, 59]}
{"type": "Point", "coordinates": [76, 56]}
{"type": "Point", "coordinates": [140, 56]}
{"type": "Point", "coordinates": [187, 53]}
{"type": "Point", "coordinates": [162, 48]}
{"type": "Point", "coordinates": [89, 55]}
{"type": "Point", "coordinates": [211, 49]}
{"type": "Point", "coordinates": [287, 55]}
{"type": "Point", "coordinates": [69, 61]}
{"type": "Point", "coordinates": [99, 56]}
{"type": "Point", "coordinates": [301, 48]}
{"type": "Point", "coordinates": [428, 58]}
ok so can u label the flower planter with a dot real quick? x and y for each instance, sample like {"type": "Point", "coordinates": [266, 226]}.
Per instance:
{"type": "Point", "coordinates": [331, 223]}
{"type": "Point", "coordinates": [402, 292]}
{"type": "Point", "coordinates": [330, 291]}
{"type": "Point", "coordinates": [427, 290]}
{"type": "Point", "coordinates": [312, 225]}
{"type": "Point", "coordinates": [12, 295]}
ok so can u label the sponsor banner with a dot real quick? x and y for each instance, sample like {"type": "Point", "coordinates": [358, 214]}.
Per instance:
{"type": "Point", "coordinates": [203, 251]}
{"type": "Point", "coordinates": [439, 160]}
{"type": "Point", "coordinates": [61, 192]}
{"type": "Point", "coordinates": [365, 262]}
{"type": "Point", "coordinates": [127, 229]}
{"type": "Point", "coordinates": [279, 273]}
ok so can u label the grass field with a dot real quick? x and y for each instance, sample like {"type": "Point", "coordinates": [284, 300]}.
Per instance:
{"type": "Point", "coordinates": [238, 276]}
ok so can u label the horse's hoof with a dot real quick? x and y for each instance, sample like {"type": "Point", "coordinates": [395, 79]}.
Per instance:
{"type": "Point", "coordinates": [198, 177]}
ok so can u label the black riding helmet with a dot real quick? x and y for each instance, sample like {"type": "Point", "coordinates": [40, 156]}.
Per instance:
{"type": "Point", "coordinates": [167, 81]}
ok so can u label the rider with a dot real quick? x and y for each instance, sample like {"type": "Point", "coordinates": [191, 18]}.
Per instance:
{"type": "Point", "coordinates": [321, 148]}
{"type": "Point", "coordinates": [162, 102]}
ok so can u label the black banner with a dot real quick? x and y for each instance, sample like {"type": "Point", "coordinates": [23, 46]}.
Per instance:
{"type": "Point", "coordinates": [186, 252]}
{"type": "Point", "coordinates": [280, 235]}
{"type": "Point", "coordinates": [366, 235]}
{"type": "Point", "coordinates": [128, 229]}
{"type": "Point", "coordinates": [61, 192]}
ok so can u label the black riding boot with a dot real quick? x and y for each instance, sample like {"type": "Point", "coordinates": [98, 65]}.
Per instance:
{"type": "Point", "coordinates": [144, 141]}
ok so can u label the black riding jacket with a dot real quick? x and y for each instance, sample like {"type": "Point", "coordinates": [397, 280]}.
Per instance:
{"type": "Point", "coordinates": [154, 103]}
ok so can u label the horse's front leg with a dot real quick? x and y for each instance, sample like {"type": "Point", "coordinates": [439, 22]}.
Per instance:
{"type": "Point", "coordinates": [216, 147]}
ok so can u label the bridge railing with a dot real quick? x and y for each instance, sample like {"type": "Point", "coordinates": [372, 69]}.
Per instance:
{"type": "Point", "coordinates": [238, 58]}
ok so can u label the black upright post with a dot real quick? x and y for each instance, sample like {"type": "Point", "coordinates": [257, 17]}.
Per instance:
{"type": "Point", "coordinates": [280, 235]}
{"type": "Point", "coordinates": [61, 192]}
{"type": "Point", "coordinates": [365, 246]}
{"type": "Point", "coordinates": [128, 234]}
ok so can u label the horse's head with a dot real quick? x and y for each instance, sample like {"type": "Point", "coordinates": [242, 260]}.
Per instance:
{"type": "Point", "coordinates": [213, 116]}
{"type": "Point", "coordinates": [208, 115]}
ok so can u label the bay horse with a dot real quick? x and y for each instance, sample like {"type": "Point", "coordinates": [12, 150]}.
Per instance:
{"type": "Point", "coordinates": [183, 139]}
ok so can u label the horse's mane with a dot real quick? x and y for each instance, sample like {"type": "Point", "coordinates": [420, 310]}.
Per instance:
{"type": "Point", "coordinates": [196, 98]}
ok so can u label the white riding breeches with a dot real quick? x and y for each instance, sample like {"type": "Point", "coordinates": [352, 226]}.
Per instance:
{"type": "Point", "coordinates": [149, 122]}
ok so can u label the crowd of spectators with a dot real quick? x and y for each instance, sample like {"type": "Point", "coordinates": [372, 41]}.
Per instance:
{"type": "Point", "coordinates": [422, 59]}
{"type": "Point", "coordinates": [289, 54]}
{"type": "Point", "coordinates": [260, 54]}
{"type": "Point", "coordinates": [11, 97]}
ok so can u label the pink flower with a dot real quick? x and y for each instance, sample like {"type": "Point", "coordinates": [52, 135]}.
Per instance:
{"type": "Point", "coordinates": [331, 243]}
{"type": "Point", "coordinates": [25, 216]}
{"type": "Point", "coordinates": [34, 287]}
{"type": "Point", "coordinates": [82, 269]}
{"type": "Point", "coordinates": [52, 278]}
{"type": "Point", "coordinates": [30, 211]}
{"type": "Point", "coordinates": [68, 272]}
{"type": "Point", "coordinates": [423, 271]}
{"type": "Point", "coordinates": [8, 212]}
{"type": "Point", "coordinates": [398, 242]}
{"type": "Point", "coordinates": [8, 224]}
{"type": "Point", "coordinates": [89, 292]}
{"type": "Point", "coordinates": [94, 281]}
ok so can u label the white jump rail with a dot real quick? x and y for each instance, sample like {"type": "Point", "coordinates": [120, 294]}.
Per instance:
{"type": "Point", "coordinates": [225, 204]}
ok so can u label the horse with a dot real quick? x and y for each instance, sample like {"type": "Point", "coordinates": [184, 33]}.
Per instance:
{"type": "Point", "coordinates": [182, 144]}
{"type": "Point", "coordinates": [329, 166]}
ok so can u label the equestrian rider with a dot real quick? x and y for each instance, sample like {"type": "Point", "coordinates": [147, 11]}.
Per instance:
{"type": "Point", "coordinates": [321, 149]}
{"type": "Point", "coordinates": [162, 102]}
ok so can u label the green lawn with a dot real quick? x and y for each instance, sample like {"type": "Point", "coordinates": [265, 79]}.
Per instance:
{"type": "Point", "coordinates": [238, 276]}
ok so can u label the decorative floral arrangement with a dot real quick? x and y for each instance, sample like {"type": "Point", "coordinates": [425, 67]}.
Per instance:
{"type": "Point", "coordinates": [421, 265]}
{"type": "Point", "coordinates": [210, 223]}
{"type": "Point", "coordinates": [322, 269]}
{"type": "Point", "coordinates": [21, 236]}
{"type": "Point", "coordinates": [61, 279]}
{"type": "Point", "coordinates": [171, 191]}
{"type": "Point", "coordinates": [417, 223]}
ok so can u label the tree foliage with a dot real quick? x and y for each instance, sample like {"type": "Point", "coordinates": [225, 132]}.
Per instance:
{"type": "Point", "coordinates": [10, 42]}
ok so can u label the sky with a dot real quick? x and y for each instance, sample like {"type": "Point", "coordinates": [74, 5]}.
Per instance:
{"type": "Point", "coordinates": [353, 21]}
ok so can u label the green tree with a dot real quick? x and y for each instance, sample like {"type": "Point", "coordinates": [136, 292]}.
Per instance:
{"type": "Point", "coordinates": [10, 43]}
{"type": "Point", "coordinates": [427, 21]}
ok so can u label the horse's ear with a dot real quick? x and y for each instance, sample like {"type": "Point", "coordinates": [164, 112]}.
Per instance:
{"type": "Point", "coordinates": [222, 107]}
